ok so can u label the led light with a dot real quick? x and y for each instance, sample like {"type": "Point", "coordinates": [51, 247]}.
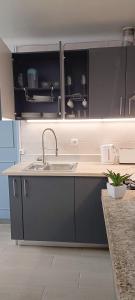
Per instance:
{"type": "Point", "coordinates": [82, 120]}
{"type": "Point", "coordinates": [6, 119]}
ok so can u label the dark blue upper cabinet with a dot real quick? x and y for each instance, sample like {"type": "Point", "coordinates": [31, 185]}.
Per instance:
{"type": "Point", "coordinates": [39, 98]}
{"type": "Point", "coordinates": [130, 82]}
{"type": "Point", "coordinates": [99, 83]}
{"type": "Point", "coordinates": [107, 82]}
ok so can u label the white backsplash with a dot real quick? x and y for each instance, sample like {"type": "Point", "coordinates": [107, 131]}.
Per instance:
{"type": "Point", "coordinates": [90, 136]}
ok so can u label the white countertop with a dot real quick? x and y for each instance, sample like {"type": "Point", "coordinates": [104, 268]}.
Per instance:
{"type": "Point", "coordinates": [82, 169]}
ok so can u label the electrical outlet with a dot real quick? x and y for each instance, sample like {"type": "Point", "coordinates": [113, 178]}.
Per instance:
{"type": "Point", "coordinates": [74, 141]}
{"type": "Point", "coordinates": [21, 151]}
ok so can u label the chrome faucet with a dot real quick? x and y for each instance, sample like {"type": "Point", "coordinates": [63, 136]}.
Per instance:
{"type": "Point", "coordinates": [43, 145]}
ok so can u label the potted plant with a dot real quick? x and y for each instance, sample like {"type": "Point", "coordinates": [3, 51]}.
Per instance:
{"type": "Point", "coordinates": [116, 187]}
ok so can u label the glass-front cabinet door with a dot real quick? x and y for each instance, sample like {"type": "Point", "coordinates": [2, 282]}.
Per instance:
{"type": "Point", "coordinates": [76, 65]}
{"type": "Point", "coordinates": [37, 84]}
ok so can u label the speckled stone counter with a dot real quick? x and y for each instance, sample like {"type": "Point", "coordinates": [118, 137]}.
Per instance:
{"type": "Point", "coordinates": [120, 225]}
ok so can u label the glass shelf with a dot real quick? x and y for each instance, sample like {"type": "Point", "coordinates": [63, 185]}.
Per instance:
{"type": "Point", "coordinates": [76, 97]}
{"type": "Point", "coordinates": [35, 89]}
{"type": "Point", "coordinates": [40, 101]}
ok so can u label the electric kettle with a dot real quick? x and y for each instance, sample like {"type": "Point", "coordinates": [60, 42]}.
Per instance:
{"type": "Point", "coordinates": [108, 154]}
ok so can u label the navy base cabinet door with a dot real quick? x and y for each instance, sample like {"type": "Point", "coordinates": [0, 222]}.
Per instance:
{"type": "Point", "coordinates": [90, 226]}
{"type": "Point", "coordinates": [16, 212]}
{"type": "Point", "coordinates": [48, 208]}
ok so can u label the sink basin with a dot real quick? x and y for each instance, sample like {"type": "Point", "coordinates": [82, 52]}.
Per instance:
{"type": "Point", "coordinates": [61, 166]}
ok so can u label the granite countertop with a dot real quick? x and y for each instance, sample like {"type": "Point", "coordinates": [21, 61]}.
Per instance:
{"type": "Point", "coordinates": [82, 169]}
{"type": "Point", "coordinates": [120, 225]}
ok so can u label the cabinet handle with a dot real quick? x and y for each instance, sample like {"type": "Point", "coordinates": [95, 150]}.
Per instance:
{"type": "Point", "coordinates": [25, 188]}
{"type": "Point", "coordinates": [121, 104]}
{"type": "Point", "coordinates": [59, 105]}
{"type": "Point", "coordinates": [129, 104]}
{"type": "Point", "coordinates": [14, 188]}
{"type": "Point", "coordinates": [62, 80]}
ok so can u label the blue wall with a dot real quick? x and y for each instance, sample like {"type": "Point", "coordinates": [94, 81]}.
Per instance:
{"type": "Point", "coordinates": [9, 155]}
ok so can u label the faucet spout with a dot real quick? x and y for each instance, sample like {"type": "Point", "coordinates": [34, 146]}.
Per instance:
{"type": "Point", "coordinates": [43, 145]}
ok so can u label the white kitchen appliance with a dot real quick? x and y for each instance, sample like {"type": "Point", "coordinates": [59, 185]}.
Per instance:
{"type": "Point", "coordinates": [127, 155]}
{"type": "Point", "coordinates": [108, 154]}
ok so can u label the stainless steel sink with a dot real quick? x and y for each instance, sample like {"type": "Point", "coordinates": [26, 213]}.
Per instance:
{"type": "Point", "coordinates": [59, 166]}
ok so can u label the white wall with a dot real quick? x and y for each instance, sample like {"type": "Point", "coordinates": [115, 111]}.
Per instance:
{"type": "Point", "coordinates": [90, 136]}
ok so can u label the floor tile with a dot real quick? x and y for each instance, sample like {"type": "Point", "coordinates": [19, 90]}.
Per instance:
{"type": "Point", "coordinates": [21, 292]}
{"type": "Point", "coordinates": [87, 252]}
{"type": "Point", "coordinates": [63, 251]}
{"type": "Point", "coordinates": [79, 294]}
{"type": "Point", "coordinates": [25, 260]}
{"type": "Point", "coordinates": [63, 293]}
{"type": "Point", "coordinates": [95, 264]}
{"type": "Point", "coordinates": [10, 276]}
{"type": "Point", "coordinates": [51, 273]}
{"type": "Point", "coordinates": [55, 278]}
{"type": "Point", "coordinates": [94, 293]}
{"type": "Point", "coordinates": [101, 279]}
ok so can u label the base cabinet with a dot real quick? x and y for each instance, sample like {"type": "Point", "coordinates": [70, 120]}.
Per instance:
{"type": "Point", "coordinates": [48, 208]}
{"type": "Point", "coordinates": [57, 209]}
{"type": "Point", "coordinates": [90, 227]}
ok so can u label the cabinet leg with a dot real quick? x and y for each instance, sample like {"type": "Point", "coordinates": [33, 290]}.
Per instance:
{"type": "Point", "coordinates": [16, 242]}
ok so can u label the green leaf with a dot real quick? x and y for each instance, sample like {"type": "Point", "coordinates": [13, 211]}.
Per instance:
{"type": "Point", "coordinates": [116, 178]}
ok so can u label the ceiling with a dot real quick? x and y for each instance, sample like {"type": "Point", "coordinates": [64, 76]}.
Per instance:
{"type": "Point", "coordinates": [44, 19]}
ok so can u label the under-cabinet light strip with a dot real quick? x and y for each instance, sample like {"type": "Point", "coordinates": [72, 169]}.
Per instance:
{"type": "Point", "coordinates": [82, 120]}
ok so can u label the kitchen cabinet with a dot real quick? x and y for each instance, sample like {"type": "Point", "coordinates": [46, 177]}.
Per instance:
{"type": "Point", "coordinates": [6, 83]}
{"type": "Point", "coordinates": [130, 82]}
{"type": "Point", "coordinates": [71, 83]}
{"type": "Point", "coordinates": [37, 85]}
{"type": "Point", "coordinates": [48, 208]}
{"type": "Point", "coordinates": [57, 209]}
{"type": "Point", "coordinates": [4, 192]}
{"type": "Point", "coordinates": [90, 227]}
{"type": "Point", "coordinates": [91, 84]}
{"type": "Point", "coordinates": [16, 209]}
{"type": "Point", "coordinates": [9, 155]}
{"type": "Point", "coordinates": [107, 82]}
{"type": "Point", "coordinates": [62, 77]}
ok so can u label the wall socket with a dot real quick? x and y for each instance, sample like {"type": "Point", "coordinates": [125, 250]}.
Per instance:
{"type": "Point", "coordinates": [74, 141]}
{"type": "Point", "coordinates": [21, 151]}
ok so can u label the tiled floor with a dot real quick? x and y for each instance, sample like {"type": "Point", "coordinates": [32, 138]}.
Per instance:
{"type": "Point", "coordinates": [44, 273]}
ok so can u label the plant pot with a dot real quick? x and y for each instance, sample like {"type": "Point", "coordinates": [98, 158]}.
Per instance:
{"type": "Point", "coordinates": [116, 192]}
